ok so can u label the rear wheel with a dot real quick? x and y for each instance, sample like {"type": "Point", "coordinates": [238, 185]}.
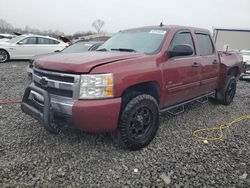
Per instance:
{"type": "Point", "coordinates": [4, 56]}
{"type": "Point", "coordinates": [139, 122]}
{"type": "Point", "coordinates": [226, 95]}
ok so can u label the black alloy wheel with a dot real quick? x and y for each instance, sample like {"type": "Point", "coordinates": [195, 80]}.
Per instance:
{"type": "Point", "coordinates": [139, 122]}
{"type": "Point", "coordinates": [230, 92]}
{"type": "Point", "coordinates": [4, 56]}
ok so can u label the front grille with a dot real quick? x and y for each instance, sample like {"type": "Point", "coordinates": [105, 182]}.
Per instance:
{"type": "Point", "coordinates": [55, 91]}
{"type": "Point", "coordinates": [55, 77]}
{"type": "Point", "coordinates": [59, 84]}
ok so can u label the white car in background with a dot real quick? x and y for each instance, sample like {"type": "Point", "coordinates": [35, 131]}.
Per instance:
{"type": "Point", "coordinates": [246, 59]}
{"type": "Point", "coordinates": [27, 46]}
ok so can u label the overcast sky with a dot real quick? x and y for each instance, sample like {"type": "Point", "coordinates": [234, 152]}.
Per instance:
{"type": "Point", "coordinates": [71, 16]}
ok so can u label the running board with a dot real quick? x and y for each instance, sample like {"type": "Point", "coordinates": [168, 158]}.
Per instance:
{"type": "Point", "coordinates": [179, 108]}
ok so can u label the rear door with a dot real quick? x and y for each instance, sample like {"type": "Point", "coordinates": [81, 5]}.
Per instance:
{"type": "Point", "coordinates": [210, 62]}
{"type": "Point", "coordinates": [182, 74]}
{"type": "Point", "coordinates": [46, 45]}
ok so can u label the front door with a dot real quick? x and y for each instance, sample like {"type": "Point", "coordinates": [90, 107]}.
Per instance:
{"type": "Point", "coordinates": [182, 73]}
{"type": "Point", "coordinates": [26, 48]}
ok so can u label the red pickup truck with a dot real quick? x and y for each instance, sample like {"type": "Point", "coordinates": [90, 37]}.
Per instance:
{"type": "Point", "coordinates": [124, 85]}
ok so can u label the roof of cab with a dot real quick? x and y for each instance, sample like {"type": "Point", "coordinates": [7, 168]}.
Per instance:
{"type": "Point", "coordinates": [171, 27]}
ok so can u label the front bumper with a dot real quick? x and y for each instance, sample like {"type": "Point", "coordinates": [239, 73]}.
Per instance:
{"type": "Point", "coordinates": [87, 115]}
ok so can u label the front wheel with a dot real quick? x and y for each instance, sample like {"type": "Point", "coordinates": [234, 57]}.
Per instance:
{"type": "Point", "coordinates": [4, 56]}
{"type": "Point", "coordinates": [139, 122]}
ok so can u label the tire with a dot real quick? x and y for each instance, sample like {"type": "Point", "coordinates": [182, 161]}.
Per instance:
{"type": "Point", "coordinates": [226, 95]}
{"type": "Point", "coordinates": [139, 122]}
{"type": "Point", "coordinates": [4, 56]}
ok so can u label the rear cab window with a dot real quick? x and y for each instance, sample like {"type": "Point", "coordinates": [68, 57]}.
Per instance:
{"type": "Point", "coordinates": [205, 44]}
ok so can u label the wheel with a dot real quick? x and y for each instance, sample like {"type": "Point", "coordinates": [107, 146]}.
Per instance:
{"type": "Point", "coordinates": [225, 96]}
{"type": "Point", "coordinates": [139, 122]}
{"type": "Point", "coordinates": [4, 56]}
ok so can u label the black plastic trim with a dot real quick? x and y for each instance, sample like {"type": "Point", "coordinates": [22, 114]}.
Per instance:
{"type": "Point", "coordinates": [43, 116]}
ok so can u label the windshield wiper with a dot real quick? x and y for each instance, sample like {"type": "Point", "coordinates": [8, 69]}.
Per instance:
{"type": "Point", "coordinates": [123, 49]}
{"type": "Point", "coordinates": [102, 49]}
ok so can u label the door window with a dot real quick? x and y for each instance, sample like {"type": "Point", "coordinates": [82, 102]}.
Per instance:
{"type": "Point", "coordinates": [46, 41]}
{"type": "Point", "coordinates": [29, 40]}
{"type": "Point", "coordinates": [205, 44]}
{"type": "Point", "coordinates": [182, 38]}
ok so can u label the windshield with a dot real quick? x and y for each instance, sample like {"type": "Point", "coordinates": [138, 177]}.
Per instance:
{"type": "Point", "coordinates": [77, 47]}
{"type": "Point", "coordinates": [148, 41]}
{"type": "Point", "coordinates": [16, 39]}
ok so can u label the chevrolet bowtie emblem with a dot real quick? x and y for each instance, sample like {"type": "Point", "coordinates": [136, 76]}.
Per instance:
{"type": "Point", "coordinates": [44, 82]}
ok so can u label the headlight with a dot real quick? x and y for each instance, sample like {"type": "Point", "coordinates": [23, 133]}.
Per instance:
{"type": "Point", "coordinates": [96, 86]}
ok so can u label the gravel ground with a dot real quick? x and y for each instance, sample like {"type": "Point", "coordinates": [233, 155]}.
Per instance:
{"type": "Point", "coordinates": [30, 156]}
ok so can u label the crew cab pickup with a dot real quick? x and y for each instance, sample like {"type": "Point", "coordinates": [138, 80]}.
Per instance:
{"type": "Point", "coordinates": [124, 85]}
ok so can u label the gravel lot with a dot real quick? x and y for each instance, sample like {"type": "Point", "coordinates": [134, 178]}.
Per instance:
{"type": "Point", "coordinates": [29, 156]}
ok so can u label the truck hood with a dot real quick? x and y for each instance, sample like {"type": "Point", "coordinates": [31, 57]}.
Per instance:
{"type": "Point", "coordinates": [81, 62]}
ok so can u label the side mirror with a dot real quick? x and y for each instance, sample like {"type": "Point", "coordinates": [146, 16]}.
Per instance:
{"type": "Point", "coordinates": [20, 43]}
{"type": "Point", "coordinates": [181, 50]}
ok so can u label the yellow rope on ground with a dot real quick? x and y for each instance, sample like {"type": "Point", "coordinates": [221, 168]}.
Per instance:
{"type": "Point", "coordinates": [219, 128]}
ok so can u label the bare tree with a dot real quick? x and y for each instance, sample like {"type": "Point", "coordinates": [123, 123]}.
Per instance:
{"type": "Point", "coordinates": [5, 27]}
{"type": "Point", "coordinates": [98, 24]}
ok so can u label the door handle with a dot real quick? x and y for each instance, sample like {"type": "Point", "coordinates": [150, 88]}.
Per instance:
{"type": "Point", "coordinates": [215, 61]}
{"type": "Point", "coordinates": [196, 64]}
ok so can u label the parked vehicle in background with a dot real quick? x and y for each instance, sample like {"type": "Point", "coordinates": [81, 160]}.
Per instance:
{"type": "Point", "coordinates": [65, 39]}
{"type": "Point", "coordinates": [232, 39]}
{"type": "Point", "coordinates": [5, 37]}
{"type": "Point", "coordinates": [77, 47]}
{"type": "Point", "coordinates": [122, 87]}
{"type": "Point", "coordinates": [246, 59]}
{"type": "Point", "coordinates": [80, 46]}
{"type": "Point", "coordinates": [26, 46]}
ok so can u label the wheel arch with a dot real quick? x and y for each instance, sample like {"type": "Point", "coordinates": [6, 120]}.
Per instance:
{"type": "Point", "coordinates": [150, 87]}
{"type": "Point", "coordinates": [6, 52]}
{"type": "Point", "coordinates": [235, 71]}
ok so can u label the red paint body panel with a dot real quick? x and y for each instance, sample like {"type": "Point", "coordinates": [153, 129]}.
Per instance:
{"type": "Point", "coordinates": [80, 62]}
{"type": "Point", "coordinates": [97, 115]}
{"type": "Point", "coordinates": [127, 73]}
{"type": "Point", "coordinates": [228, 61]}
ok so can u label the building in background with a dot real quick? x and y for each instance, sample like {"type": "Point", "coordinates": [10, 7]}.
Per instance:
{"type": "Point", "coordinates": [228, 39]}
